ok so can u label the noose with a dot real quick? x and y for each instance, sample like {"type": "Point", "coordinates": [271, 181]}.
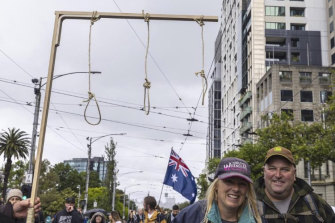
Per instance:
{"type": "Point", "coordinates": [91, 96]}
{"type": "Point", "coordinates": [147, 83]}
{"type": "Point", "coordinates": [202, 72]}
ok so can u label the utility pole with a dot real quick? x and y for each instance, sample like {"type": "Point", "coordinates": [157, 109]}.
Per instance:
{"type": "Point", "coordinates": [37, 91]}
{"type": "Point", "coordinates": [89, 146]}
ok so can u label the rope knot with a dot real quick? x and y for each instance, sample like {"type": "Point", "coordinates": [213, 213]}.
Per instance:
{"type": "Point", "coordinates": [147, 84]}
{"type": "Point", "coordinates": [146, 16]}
{"type": "Point", "coordinates": [201, 73]}
{"type": "Point", "coordinates": [200, 21]}
{"type": "Point", "coordinates": [94, 17]}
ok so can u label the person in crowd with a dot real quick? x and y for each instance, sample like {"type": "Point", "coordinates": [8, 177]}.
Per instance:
{"type": "Point", "coordinates": [152, 211]}
{"type": "Point", "coordinates": [139, 216]}
{"type": "Point", "coordinates": [173, 214]}
{"type": "Point", "coordinates": [98, 217]}
{"type": "Point", "coordinates": [114, 217]}
{"type": "Point", "coordinates": [132, 217]}
{"type": "Point", "coordinates": [230, 198]}
{"type": "Point", "coordinates": [14, 196]}
{"type": "Point", "coordinates": [13, 213]}
{"type": "Point", "coordinates": [69, 213]}
{"type": "Point", "coordinates": [283, 197]}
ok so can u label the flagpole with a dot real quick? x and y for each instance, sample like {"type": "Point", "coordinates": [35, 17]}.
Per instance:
{"type": "Point", "coordinates": [160, 196]}
{"type": "Point", "coordinates": [159, 201]}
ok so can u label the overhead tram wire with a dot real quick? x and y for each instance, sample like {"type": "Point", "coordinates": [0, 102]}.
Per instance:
{"type": "Point", "coordinates": [195, 109]}
{"type": "Point", "coordinates": [106, 102]}
{"type": "Point", "coordinates": [25, 104]}
{"type": "Point", "coordinates": [114, 121]}
{"type": "Point", "coordinates": [13, 61]}
{"type": "Point", "coordinates": [154, 60]}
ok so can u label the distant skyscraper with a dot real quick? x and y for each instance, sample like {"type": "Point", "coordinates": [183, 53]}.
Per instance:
{"type": "Point", "coordinates": [98, 164]}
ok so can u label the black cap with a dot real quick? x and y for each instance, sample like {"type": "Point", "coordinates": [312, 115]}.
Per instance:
{"type": "Point", "coordinates": [70, 200]}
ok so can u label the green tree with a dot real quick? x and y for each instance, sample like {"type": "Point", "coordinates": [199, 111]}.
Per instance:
{"type": "Point", "coordinates": [203, 185]}
{"type": "Point", "coordinates": [68, 177]}
{"type": "Point", "coordinates": [16, 175]}
{"type": "Point", "coordinates": [110, 151]}
{"type": "Point", "coordinates": [13, 144]}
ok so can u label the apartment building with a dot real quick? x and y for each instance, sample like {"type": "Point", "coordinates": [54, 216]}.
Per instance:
{"type": "Point", "coordinates": [301, 91]}
{"type": "Point", "coordinates": [257, 34]}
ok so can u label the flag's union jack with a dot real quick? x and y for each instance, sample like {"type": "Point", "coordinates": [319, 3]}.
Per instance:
{"type": "Point", "coordinates": [179, 164]}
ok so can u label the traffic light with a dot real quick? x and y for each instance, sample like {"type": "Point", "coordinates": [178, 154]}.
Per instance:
{"type": "Point", "coordinates": [26, 191]}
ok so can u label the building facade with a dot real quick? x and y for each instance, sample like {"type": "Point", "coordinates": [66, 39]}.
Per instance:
{"type": "Point", "coordinates": [300, 91]}
{"type": "Point", "coordinates": [257, 34]}
{"type": "Point", "coordinates": [97, 164]}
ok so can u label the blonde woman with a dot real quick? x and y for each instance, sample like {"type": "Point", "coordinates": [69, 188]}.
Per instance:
{"type": "Point", "coordinates": [230, 198]}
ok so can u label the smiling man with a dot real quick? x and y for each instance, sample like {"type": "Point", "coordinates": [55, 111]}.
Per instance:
{"type": "Point", "coordinates": [282, 197]}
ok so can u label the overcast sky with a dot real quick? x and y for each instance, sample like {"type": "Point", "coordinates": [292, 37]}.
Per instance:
{"type": "Point", "coordinates": [118, 51]}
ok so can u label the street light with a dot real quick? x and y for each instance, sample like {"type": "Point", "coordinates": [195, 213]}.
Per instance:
{"type": "Point", "coordinates": [37, 92]}
{"type": "Point", "coordinates": [89, 146]}
{"type": "Point", "coordinates": [124, 198]}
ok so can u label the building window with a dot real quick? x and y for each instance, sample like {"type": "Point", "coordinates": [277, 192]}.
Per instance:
{"type": "Point", "coordinates": [288, 112]}
{"type": "Point", "coordinates": [333, 58]}
{"type": "Point", "coordinates": [305, 77]}
{"type": "Point", "coordinates": [275, 11]}
{"type": "Point", "coordinates": [296, 26]}
{"type": "Point", "coordinates": [307, 116]}
{"type": "Point", "coordinates": [331, 27]}
{"type": "Point", "coordinates": [295, 57]}
{"type": "Point", "coordinates": [286, 95]}
{"type": "Point", "coordinates": [331, 11]}
{"type": "Point", "coordinates": [297, 12]}
{"type": "Point", "coordinates": [295, 42]}
{"type": "Point", "coordinates": [275, 25]}
{"type": "Point", "coordinates": [325, 96]}
{"type": "Point", "coordinates": [332, 43]}
{"type": "Point", "coordinates": [285, 76]}
{"type": "Point", "coordinates": [324, 78]}
{"type": "Point", "coordinates": [306, 96]}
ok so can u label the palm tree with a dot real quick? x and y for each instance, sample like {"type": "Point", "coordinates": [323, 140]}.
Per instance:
{"type": "Point", "coordinates": [13, 143]}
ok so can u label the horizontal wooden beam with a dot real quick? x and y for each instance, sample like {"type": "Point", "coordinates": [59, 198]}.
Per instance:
{"type": "Point", "coordinates": [88, 15]}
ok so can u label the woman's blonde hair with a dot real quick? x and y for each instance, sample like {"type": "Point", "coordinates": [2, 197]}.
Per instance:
{"type": "Point", "coordinates": [212, 196]}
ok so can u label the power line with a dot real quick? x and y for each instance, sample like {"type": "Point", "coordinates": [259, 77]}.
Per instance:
{"type": "Point", "coordinates": [13, 61]}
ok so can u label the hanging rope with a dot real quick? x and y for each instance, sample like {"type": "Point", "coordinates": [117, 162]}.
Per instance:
{"type": "Point", "coordinates": [91, 96]}
{"type": "Point", "coordinates": [202, 72]}
{"type": "Point", "coordinates": [147, 83]}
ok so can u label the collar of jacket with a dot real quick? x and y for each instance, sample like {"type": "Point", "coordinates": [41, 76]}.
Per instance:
{"type": "Point", "coordinates": [301, 188]}
{"type": "Point", "coordinates": [215, 217]}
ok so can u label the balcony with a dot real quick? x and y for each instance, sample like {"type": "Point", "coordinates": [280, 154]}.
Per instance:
{"type": "Point", "coordinates": [245, 127]}
{"type": "Point", "coordinates": [246, 111]}
{"type": "Point", "coordinates": [245, 97]}
{"type": "Point", "coordinates": [324, 80]}
{"type": "Point", "coordinates": [305, 80]}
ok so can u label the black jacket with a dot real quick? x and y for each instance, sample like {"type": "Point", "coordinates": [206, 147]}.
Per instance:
{"type": "Point", "coordinates": [63, 217]}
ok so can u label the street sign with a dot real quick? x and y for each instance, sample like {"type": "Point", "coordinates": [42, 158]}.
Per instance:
{"type": "Point", "coordinates": [95, 204]}
{"type": "Point", "coordinates": [29, 178]}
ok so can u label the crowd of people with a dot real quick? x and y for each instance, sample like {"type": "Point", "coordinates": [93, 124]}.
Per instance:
{"type": "Point", "coordinates": [232, 197]}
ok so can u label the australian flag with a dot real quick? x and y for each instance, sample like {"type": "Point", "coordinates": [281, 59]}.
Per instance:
{"type": "Point", "coordinates": [179, 176]}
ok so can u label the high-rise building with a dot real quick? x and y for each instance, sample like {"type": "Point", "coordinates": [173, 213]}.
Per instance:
{"type": "Point", "coordinates": [255, 35]}
{"type": "Point", "coordinates": [97, 164]}
{"type": "Point", "coordinates": [300, 91]}
{"type": "Point", "coordinates": [214, 106]}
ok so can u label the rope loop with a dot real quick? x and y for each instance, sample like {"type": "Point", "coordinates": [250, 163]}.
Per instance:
{"type": "Point", "coordinates": [146, 85]}
{"type": "Point", "coordinates": [201, 23]}
{"type": "Point", "coordinates": [90, 97]}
